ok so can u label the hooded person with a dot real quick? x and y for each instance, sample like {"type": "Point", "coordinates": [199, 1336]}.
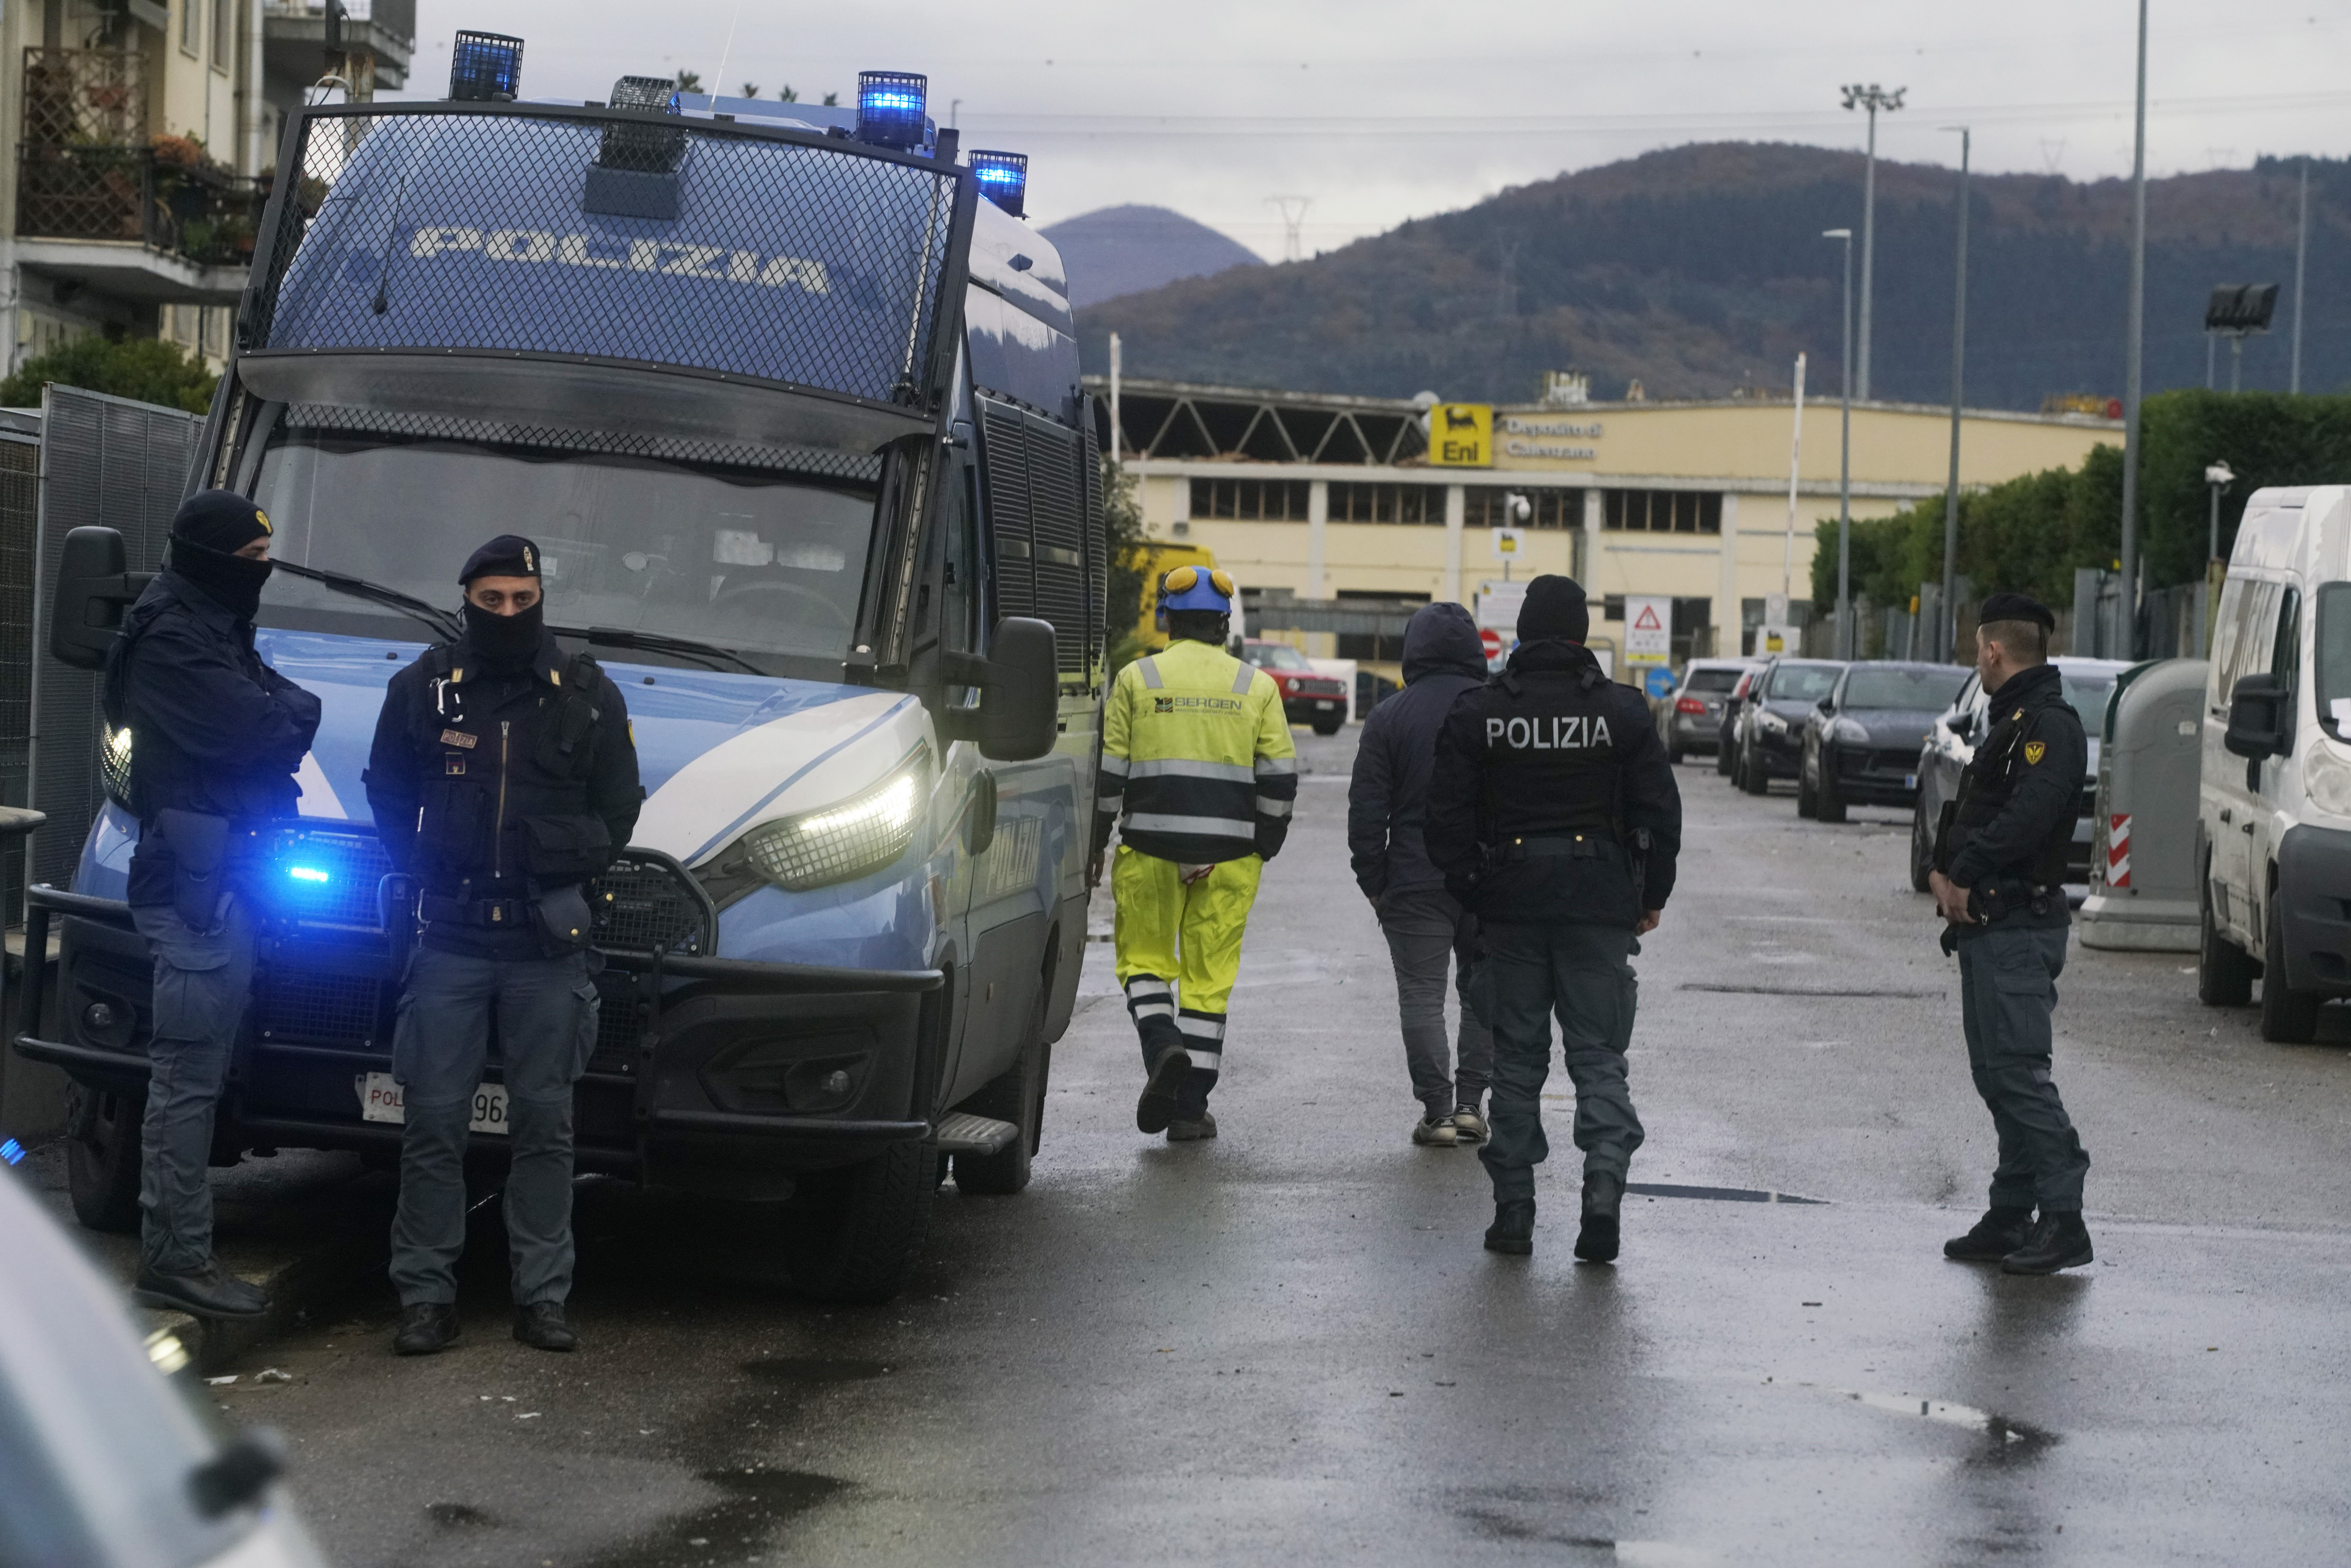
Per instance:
{"type": "Point", "coordinates": [503, 778]}
{"type": "Point", "coordinates": [1387, 807]}
{"type": "Point", "coordinates": [215, 736]}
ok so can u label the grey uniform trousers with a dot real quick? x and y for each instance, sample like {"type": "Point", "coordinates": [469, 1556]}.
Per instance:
{"type": "Point", "coordinates": [1425, 928]}
{"type": "Point", "coordinates": [1581, 974]}
{"type": "Point", "coordinates": [202, 984]}
{"type": "Point", "coordinates": [547, 1026]}
{"type": "Point", "coordinates": [2008, 988]}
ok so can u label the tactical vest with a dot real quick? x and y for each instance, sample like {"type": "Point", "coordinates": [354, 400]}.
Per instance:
{"type": "Point", "coordinates": [1550, 812]}
{"type": "Point", "coordinates": [504, 795]}
{"type": "Point", "coordinates": [1988, 781]}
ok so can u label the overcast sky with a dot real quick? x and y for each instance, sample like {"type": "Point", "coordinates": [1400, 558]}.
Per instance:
{"type": "Point", "coordinates": [1377, 111]}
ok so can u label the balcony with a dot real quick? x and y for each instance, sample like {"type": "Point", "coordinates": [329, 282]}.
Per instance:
{"type": "Point", "coordinates": [294, 37]}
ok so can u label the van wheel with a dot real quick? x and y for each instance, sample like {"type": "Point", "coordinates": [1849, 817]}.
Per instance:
{"type": "Point", "coordinates": [856, 1233]}
{"type": "Point", "coordinates": [1922, 848]}
{"type": "Point", "coordinates": [2224, 972]}
{"type": "Point", "coordinates": [1828, 805]}
{"type": "Point", "coordinates": [2288, 1017]}
{"type": "Point", "coordinates": [1018, 1097]}
{"type": "Point", "coordinates": [102, 1164]}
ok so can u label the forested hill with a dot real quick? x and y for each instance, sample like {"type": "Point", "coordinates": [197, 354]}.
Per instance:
{"type": "Point", "coordinates": [1702, 269]}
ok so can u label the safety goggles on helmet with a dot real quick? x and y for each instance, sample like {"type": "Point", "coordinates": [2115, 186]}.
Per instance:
{"type": "Point", "coordinates": [1192, 587]}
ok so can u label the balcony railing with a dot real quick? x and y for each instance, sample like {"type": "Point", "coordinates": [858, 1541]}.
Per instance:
{"type": "Point", "coordinates": [160, 201]}
{"type": "Point", "coordinates": [397, 17]}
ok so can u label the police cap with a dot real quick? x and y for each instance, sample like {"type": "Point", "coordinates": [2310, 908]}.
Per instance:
{"type": "Point", "coordinates": [2016, 607]}
{"type": "Point", "coordinates": [508, 555]}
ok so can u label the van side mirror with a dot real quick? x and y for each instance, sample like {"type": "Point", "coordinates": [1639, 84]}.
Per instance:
{"type": "Point", "coordinates": [1019, 691]}
{"type": "Point", "coordinates": [93, 584]}
{"type": "Point", "coordinates": [1826, 704]}
{"type": "Point", "coordinates": [2257, 718]}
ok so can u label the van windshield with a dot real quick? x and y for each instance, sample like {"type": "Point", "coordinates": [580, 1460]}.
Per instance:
{"type": "Point", "coordinates": [2334, 647]}
{"type": "Point", "coordinates": [746, 560]}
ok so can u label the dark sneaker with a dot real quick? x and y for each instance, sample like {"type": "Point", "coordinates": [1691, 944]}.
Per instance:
{"type": "Point", "coordinates": [427, 1328]}
{"type": "Point", "coordinates": [1604, 1203]}
{"type": "Point", "coordinates": [1190, 1129]}
{"type": "Point", "coordinates": [1436, 1131]}
{"type": "Point", "coordinates": [1157, 1106]}
{"type": "Point", "coordinates": [210, 1292]}
{"type": "Point", "coordinates": [2058, 1241]}
{"type": "Point", "coordinates": [541, 1325]}
{"type": "Point", "coordinates": [1513, 1230]}
{"type": "Point", "coordinates": [1468, 1126]}
{"type": "Point", "coordinates": [1999, 1232]}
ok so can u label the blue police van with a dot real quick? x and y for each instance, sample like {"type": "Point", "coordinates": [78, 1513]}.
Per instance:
{"type": "Point", "coordinates": [788, 397]}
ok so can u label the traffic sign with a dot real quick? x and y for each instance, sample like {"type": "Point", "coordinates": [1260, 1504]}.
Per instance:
{"type": "Point", "coordinates": [1492, 642]}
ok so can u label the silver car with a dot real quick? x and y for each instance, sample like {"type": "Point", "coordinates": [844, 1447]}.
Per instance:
{"type": "Point", "coordinates": [1691, 720]}
{"type": "Point", "coordinates": [1951, 746]}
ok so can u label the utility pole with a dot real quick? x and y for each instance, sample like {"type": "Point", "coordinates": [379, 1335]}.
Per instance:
{"type": "Point", "coordinates": [2301, 253]}
{"type": "Point", "coordinates": [1844, 464]}
{"type": "Point", "coordinates": [1871, 97]}
{"type": "Point", "coordinates": [1795, 467]}
{"type": "Point", "coordinates": [1946, 624]}
{"type": "Point", "coordinates": [2133, 332]}
{"type": "Point", "coordinates": [1117, 431]}
{"type": "Point", "coordinates": [1293, 213]}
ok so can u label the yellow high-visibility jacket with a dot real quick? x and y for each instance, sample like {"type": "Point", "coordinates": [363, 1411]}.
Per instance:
{"type": "Point", "coordinates": [1196, 763]}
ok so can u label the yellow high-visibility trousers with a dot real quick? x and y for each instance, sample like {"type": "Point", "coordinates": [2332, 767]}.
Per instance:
{"type": "Point", "coordinates": [1167, 931]}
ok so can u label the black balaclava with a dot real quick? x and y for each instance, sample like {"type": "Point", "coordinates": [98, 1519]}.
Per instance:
{"type": "Point", "coordinates": [1554, 607]}
{"type": "Point", "coordinates": [506, 643]}
{"type": "Point", "coordinates": [207, 531]}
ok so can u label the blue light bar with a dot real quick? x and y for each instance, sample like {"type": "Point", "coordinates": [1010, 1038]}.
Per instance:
{"type": "Point", "coordinates": [307, 873]}
{"type": "Point", "coordinates": [890, 108]}
{"type": "Point", "coordinates": [12, 1151]}
{"type": "Point", "coordinates": [484, 67]}
{"type": "Point", "coordinates": [1003, 178]}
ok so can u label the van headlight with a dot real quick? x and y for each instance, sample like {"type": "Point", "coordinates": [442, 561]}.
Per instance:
{"type": "Point", "coordinates": [842, 843]}
{"type": "Point", "coordinates": [2327, 778]}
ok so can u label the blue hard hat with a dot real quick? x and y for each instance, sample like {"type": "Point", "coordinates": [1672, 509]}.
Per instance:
{"type": "Point", "coordinates": [1193, 588]}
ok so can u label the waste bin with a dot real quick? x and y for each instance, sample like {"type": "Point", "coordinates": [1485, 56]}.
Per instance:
{"type": "Point", "coordinates": [2143, 856]}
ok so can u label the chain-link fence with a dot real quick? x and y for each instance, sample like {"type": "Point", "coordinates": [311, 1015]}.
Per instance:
{"type": "Point", "coordinates": [621, 235]}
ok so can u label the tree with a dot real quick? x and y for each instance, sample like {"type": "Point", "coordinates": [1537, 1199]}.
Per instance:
{"type": "Point", "coordinates": [751, 89]}
{"type": "Point", "coordinates": [149, 369]}
{"type": "Point", "coordinates": [789, 94]}
{"type": "Point", "coordinates": [689, 81]}
{"type": "Point", "coordinates": [1130, 564]}
{"type": "Point", "coordinates": [833, 100]}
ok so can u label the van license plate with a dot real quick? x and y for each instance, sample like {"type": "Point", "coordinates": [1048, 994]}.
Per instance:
{"type": "Point", "coordinates": [380, 1101]}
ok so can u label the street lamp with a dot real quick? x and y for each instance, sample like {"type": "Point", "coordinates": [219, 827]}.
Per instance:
{"type": "Point", "coordinates": [2218, 476]}
{"type": "Point", "coordinates": [1844, 461]}
{"type": "Point", "coordinates": [1871, 97]}
{"type": "Point", "coordinates": [1947, 625]}
{"type": "Point", "coordinates": [2234, 311]}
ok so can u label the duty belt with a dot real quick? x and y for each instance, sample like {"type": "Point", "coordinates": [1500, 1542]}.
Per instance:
{"type": "Point", "coordinates": [495, 912]}
{"type": "Point", "coordinates": [1577, 847]}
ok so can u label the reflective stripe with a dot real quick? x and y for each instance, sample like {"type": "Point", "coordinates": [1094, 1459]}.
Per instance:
{"type": "Point", "coordinates": [1243, 681]}
{"type": "Point", "coordinates": [1147, 1009]}
{"type": "Point", "coordinates": [1184, 767]}
{"type": "Point", "coordinates": [1276, 764]}
{"type": "Point", "coordinates": [1272, 808]}
{"type": "Point", "coordinates": [1203, 1058]}
{"type": "Point", "coordinates": [1201, 1026]}
{"type": "Point", "coordinates": [1211, 827]}
{"type": "Point", "coordinates": [1148, 670]}
{"type": "Point", "coordinates": [1113, 764]}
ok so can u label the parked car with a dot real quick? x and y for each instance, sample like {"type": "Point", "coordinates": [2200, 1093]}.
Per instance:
{"type": "Point", "coordinates": [2274, 809]}
{"type": "Point", "coordinates": [1726, 735]}
{"type": "Point", "coordinates": [106, 1463]}
{"type": "Point", "coordinates": [1861, 742]}
{"type": "Point", "coordinates": [1950, 745]}
{"type": "Point", "coordinates": [1307, 696]}
{"type": "Point", "coordinates": [1691, 720]}
{"type": "Point", "coordinates": [1771, 724]}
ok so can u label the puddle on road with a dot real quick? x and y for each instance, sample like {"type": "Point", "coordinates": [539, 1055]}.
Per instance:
{"type": "Point", "coordinates": [805, 1370]}
{"type": "Point", "coordinates": [1719, 1194]}
{"type": "Point", "coordinates": [2009, 1439]}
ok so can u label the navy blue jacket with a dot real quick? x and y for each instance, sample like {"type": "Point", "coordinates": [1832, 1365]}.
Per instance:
{"type": "Point", "coordinates": [213, 728]}
{"type": "Point", "coordinates": [1387, 799]}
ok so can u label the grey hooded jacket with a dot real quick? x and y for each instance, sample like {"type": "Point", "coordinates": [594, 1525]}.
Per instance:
{"type": "Point", "coordinates": [1387, 799]}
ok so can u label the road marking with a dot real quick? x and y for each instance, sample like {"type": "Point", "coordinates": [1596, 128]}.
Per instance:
{"type": "Point", "coordinates": [1796, 991]}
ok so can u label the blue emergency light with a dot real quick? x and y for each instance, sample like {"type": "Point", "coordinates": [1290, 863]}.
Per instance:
{"type": "Point", "coordinates": [1003, 178]}
{"type": "Point", "coordinates": [890, 108]}
{"type": "Point", "coordinates": [309, 873]}
{"type": "Point", "coordinates": [12, 1151]}
{"type": "Point", "coordinates": [484, 67]}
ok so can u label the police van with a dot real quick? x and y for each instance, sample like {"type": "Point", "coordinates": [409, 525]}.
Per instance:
{"type": "Point", "coordinates": [788, 397]}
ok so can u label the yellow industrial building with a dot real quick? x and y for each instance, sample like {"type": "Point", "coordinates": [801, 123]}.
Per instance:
{"type": "Point", "coordinates": [1329, 499]}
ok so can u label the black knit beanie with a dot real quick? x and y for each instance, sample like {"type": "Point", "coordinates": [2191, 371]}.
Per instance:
{"type": "Point", "coordinates": [1554, 607]}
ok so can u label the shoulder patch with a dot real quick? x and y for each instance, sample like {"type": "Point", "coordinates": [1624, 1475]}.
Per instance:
{"type": "Point", "coordinates": [2034, 750]}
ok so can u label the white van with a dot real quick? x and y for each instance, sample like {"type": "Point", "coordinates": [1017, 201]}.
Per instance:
{"type": "Point", "coordinates": [2273, 815]}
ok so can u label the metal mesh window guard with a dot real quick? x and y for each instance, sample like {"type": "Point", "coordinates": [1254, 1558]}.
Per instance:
{"type": "Point", "coordinates": [469, 229]}
{"type": "Point", "coordinates": [816, 462]}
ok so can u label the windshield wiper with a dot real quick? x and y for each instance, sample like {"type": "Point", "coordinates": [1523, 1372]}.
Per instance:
{"type": "Point", "coordinates": [440, 620]}
{"type": "Point", "coordinates": [707, 653]}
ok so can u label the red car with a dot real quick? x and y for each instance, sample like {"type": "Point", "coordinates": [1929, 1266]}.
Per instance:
{"type": "Point", "coordinates": [1306, 697]}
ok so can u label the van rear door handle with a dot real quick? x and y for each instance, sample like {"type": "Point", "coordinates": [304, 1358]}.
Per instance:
{"type": "Point", "coordinates": [2248, 827]}
{"type": "Point", "coordinates": [2224, 815]}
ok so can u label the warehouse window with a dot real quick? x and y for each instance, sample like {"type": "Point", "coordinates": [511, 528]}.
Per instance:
{"type": "Point", "coordinates": [1486, 508]}
{"type": "Point", "coordinates": [1662, 511]}
{"type": "Point", "coordinates": [1250, 500]}
{"type": "Point", "coordinates": [1423, 504]}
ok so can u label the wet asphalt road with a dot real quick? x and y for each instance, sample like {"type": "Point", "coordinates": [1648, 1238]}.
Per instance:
{"type": "Point", "coordinates": [1288, 1343]}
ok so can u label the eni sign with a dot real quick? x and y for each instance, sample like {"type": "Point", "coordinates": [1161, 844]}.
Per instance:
{"type": "Point", "coordinates": [1461, 435]}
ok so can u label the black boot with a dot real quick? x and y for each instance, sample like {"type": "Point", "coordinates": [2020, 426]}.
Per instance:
{"type": "Point", "coordinates": [209, 1292]}
{"type": "Point", "coordinates": [1169, 1069]}
{"type": "Point", "coordinates": [1603, 1202]}
{"type": "Point", "coordinates": [1999, 1232]}
{"type": "Point", "coordinates": [541, 1325]}
{"type": "Point", "coordinates": [1513, 1230]}
{"type": "Point", "coordinates": [425, 1328]}
{"type": "Point", "coordinates": [2060, 1241]}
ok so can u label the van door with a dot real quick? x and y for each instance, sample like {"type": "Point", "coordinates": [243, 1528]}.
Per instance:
{"type": "Point", "coordinates": [2244, 633]}
{"type": "Point", "coordinates": [2284, 662]}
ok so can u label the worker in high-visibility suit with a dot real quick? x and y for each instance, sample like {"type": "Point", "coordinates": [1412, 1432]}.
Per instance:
{"type": "Point", "coordinates": [1199, 771]}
